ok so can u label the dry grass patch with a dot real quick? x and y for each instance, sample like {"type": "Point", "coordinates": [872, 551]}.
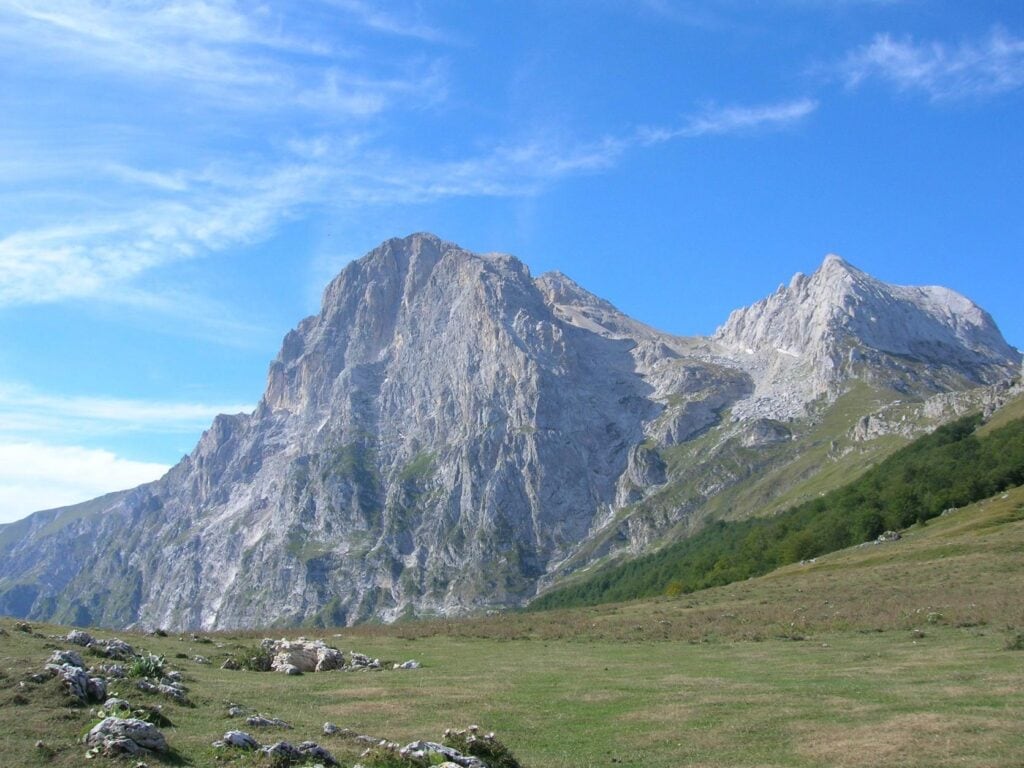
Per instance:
{"type": "Point", "coordinates": [918, 739]}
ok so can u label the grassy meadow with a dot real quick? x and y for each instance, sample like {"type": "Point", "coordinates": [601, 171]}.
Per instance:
{"type": "Point", "coordinates": [896, 654]}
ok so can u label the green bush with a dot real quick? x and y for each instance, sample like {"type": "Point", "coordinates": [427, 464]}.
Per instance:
{"type": "Point", "coordinates": [148, 665]}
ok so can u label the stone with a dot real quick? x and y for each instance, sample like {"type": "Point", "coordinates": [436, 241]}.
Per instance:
{"type": "Point", "coordinates": [261, 721]}
{"type": "Point", "coordinates": [113, 671]}
{"type": "Point", "coordinates": [330, 729]}
{"type": "Point", "coordinates": [889, 536]}
{"type": "Point", "coordinates": [75, 681]}
{"type": "Point", "coordinates": [313, 751]}
{"type": "Point", "coordinates": [236, 711]}
{"type": "Point", "coordinates": [238, 740]}
{"type": "Point", "coordinates": [114, 704]}
{"type": "Point", "coordinates": [410, 664]}
{"type": "Point", "coordinates": [305, 656]}
{"type": "Point", "coordinates": [283, 751]}
{"type": "Point", "coordinates": [96, 689]}
{"type": "Point", "coordinates": [71, 658]}
{"type": "Point", "coordinates": [231, 664]}
{"type": "Point", "coordinates": [80, 637]}
{"type": "Point", "coordinates": [200, 660]}
{"type": "Point", "coordinates": [114, 735]}
{"type": "Point", "coordinates": [423, 749]}
{"type": "Point", "coordinates": [118, 649]}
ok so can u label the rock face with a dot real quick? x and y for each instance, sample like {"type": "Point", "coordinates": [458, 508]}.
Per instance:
{"type": "Point", "coordinates": [811, 337]}
{"type": "Point", "coordinates": [448, 432]}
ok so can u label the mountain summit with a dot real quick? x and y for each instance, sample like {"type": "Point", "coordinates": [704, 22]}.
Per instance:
{"type": "Point", "coordinates": [450, 434]}
{"type": "Point", "coordinates": [810, 337]}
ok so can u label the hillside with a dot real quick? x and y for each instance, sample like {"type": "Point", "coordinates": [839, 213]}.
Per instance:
{"type": "Point", "coordinates": [950, 468]}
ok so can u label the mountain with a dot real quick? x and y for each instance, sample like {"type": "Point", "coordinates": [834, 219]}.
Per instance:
{"type": "Point", "coordinates": [450, 434]}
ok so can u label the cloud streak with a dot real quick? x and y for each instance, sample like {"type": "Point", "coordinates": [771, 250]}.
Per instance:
{"type": "Point", "coordinates": [233, 55]}
{"type": "Point", "coordinates": [36, 476]}
{"type": "Point", "coordinates": [194, 214]}
{"type": "Point", "coordinates": [984, 68]}
{"type": "Point", "coordinates": [26, 413]}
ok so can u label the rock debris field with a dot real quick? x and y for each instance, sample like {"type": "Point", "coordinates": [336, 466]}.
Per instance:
{"type": "Point", "coordinates": [126, 728]}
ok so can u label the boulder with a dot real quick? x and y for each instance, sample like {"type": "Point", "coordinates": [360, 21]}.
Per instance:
{"type": "Point", "coordinates": [260, 721]}
{"type": "Point", "coordinates": [305, 655]}
{"type": "Point", "coordinates": [75, 680]}
{"type": "Point", "coordinates": [420, 750]}
{"type": "Point", "coordinates": [118, 649]}
{"type": "Point", "coordinates": [72, 658]}
{"type": "Point", "coordinates": [115, 704]}
{"type": "Point", "coordinates": [237, 739]}
{"type": "Point", "coordinates": [130, 736]}
{"type": "Point", "coordinates": [310, 749]}
{"type": "Point", "coordinates": [284, 752]}
{"type": "Point", "coordinates": [80, 637]}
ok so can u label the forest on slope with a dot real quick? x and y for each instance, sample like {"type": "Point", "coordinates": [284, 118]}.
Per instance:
{"type": "Point", "coordinates": [951, 467]}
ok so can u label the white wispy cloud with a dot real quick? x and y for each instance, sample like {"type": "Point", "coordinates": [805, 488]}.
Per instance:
{"type": "Point", "coordinates": [202, 212]}
{"type": "Point", "coordinates": [734, 119]}
{"type": "Point", "coordinates": [86, 258]}
{"type": "Point", "coordinates": [373, 17]}
{"type": "Point", "coordinates": [987, 67]}
{"type": "Point", "coordinates": [26, 412]}
{"type": "Point", "coordinates": [35, 476]}
{"type": "Point", "coordinates": [233, 53]}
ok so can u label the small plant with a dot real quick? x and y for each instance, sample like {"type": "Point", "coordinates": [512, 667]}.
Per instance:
{"type": "Point", "coordinates": [255, 659]}
{"type": "Point", "coordinates": [1015, 642]}
{"type": "Point", "coordinates": [485, 746]}
{"type": "Point", "coordinates": [148, 665]}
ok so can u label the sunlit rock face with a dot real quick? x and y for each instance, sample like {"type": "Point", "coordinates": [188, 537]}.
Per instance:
{"type": "Point", "coordinates": [449, 431]}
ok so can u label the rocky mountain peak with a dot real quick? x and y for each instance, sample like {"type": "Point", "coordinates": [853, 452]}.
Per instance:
{"type": "Point", "coordinates": [809, 337]}
{"type": "Point", "coordinates": [448, 434]}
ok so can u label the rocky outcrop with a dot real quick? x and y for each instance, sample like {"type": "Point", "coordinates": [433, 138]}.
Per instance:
{"type": "Point", "coordinates": [305, 656]}
{"type": "Point", "coordinates": [125, 736]}
{"type": "Point", "coordinates": [448, 432]}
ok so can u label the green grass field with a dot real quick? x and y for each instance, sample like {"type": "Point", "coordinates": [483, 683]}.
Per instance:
{"type": "Point", "coordinates": [816, 664]}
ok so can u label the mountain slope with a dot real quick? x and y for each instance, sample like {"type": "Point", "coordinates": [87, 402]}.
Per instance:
{"type": "Point", "coordinates": [449, 434]}
{"type": "Point", "coordinates": [949, 468]}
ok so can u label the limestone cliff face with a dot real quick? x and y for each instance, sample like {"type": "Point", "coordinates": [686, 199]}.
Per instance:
{"type": "Point", "coordinates": [448, 432]}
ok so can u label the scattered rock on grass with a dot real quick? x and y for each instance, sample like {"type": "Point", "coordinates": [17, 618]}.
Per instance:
{"type": "Point", "coordinates": [231, 664]}
{"type": "Point", "coordinates": [115, 704]}
{"type": "Point", "coordinates": [305, 655]}
{"type": "Point", "coordinates": [130, 736]}
{"type": "Point", "coordinates": [71, 658]}
{"type": "Point", "coordinates": [238, 740]}
{"type": "Point", "coordinates": [259, 721]}
{"type": "Point", "coordinates": [80, 637]}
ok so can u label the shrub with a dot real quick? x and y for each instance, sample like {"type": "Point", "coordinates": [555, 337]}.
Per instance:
{"type": "Point", "coordinates": [255, 659]}
{"type": "Point", "coordinates": [486, 747]}
{"type": "Point", "coordinates": [149, 665]}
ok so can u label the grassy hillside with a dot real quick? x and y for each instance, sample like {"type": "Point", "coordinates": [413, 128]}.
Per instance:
{"type": "Point", "coordinates": [949, 468]}
{"type": "Point", "coordinates": [894, 654]}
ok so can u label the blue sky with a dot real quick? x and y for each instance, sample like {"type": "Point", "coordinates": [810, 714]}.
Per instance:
{"type": "Point", "coordinates": [179, 180]}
